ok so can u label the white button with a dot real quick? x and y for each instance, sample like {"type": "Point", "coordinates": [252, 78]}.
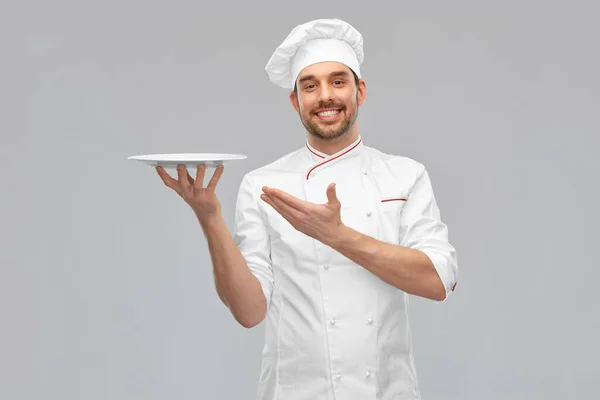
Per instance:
{"type": "Point", "coordinates": [332, 322]}
{"type": "Point", "coordinates": [364, 172]}
{"type": "Point", "coordinates": [369, 321]}
{"type": "Point", "coordinates": [326, 266]}
{"type": "Point", "coordinates": [337, 377]}
{"type": "Point", "coordinates": [369, 213]}
{"type": "Point", "coordinates": [368, 374]}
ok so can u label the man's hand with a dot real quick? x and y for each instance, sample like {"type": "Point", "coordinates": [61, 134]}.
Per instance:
{"type": "Point", "coordinates": [320, 221]}
{"type": "Point", "coordinates": [203, 201]}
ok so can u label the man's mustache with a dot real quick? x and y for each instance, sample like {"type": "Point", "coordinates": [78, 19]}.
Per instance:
{"type": "Point", "coordinates": [329, 105]}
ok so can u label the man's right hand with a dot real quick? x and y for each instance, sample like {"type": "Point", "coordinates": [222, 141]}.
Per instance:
{"type": "Point", "coordinates": [203, 201]}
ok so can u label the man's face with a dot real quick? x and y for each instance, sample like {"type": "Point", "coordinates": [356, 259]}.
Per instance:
{"type": "Point", "coordinates": [327, 99]}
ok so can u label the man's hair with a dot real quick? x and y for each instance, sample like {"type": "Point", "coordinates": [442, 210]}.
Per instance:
{"type": "Point", "coordinates": [353, 73]}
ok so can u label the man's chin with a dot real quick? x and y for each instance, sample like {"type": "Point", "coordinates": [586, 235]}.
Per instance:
{"type": "Point", "coordinates": [329, 127]}
{"type": "Point", "coordinates": [330, 134]}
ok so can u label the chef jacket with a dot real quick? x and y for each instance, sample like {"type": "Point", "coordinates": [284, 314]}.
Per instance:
{"type": "Point", "coordinates": [333, 329]}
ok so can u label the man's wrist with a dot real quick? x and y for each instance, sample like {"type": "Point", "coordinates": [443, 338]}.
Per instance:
{"type": "Point", "coordinates": [210, 222]}
{"type": "Point", "coordinates": [344, 236]}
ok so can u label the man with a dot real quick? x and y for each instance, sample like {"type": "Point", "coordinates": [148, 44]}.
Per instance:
{"type": "Point", "coordinates": [330, 240]}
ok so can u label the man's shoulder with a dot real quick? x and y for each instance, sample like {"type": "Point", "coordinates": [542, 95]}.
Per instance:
{"type": "Point", "coordinates": [396, 162]}
{"type": "Point", "coordinates": [283, 164]}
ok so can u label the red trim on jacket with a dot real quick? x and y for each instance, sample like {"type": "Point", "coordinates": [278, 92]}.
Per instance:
{"type": "Point", "coordinates": [318, 155]}
{"type": "Point", "coordinates": [399, 199]}
{"type": "Point", "coordinates": [331, 159]}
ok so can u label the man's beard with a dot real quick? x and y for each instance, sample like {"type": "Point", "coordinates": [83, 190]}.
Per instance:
{"type": "Point", "coordinates": [330, 133]}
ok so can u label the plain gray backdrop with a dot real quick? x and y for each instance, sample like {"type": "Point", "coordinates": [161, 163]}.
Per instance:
{"type": "Point", "coordinates": [106, 287]}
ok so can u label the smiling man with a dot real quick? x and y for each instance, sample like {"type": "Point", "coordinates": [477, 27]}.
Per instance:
{"type": "Point", "coordinates": [338, 235]}
{"type": "Point", "coordinates": [330, 240]}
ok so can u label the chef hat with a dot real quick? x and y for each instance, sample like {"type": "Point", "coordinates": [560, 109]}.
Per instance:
{"type": "Point", "coordinates": [315, 41]}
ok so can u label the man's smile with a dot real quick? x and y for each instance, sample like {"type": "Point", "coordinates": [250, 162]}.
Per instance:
{"type": "Point", "coordinates": [330, 114]}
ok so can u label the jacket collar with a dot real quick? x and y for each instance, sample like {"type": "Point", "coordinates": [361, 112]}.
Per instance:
{"type": "Point", "coordinates": [318, 158]}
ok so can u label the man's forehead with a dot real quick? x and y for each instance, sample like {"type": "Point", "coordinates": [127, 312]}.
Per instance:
{"type": "Point", "coordinates": [325, 69]}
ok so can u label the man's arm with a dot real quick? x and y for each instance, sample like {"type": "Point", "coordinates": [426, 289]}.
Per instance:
{"type": "Point", "coordinates": [241, 264]}
{"type": "Point", "coordinates": [424, 262]}
{"type": "Point", "coordinates": [236, 286]}
{"type": "Point", "coordinates": [408, 269]}
{"type": "Point", "coordinates": [243, 271]}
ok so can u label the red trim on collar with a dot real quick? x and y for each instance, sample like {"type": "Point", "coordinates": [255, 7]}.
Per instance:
{"type": "Point", "coordinates": [331, 159]}
{"type": "Point", "coordinates": [384, 200]}
{"type": "Point", "coordinates": [309, 149]}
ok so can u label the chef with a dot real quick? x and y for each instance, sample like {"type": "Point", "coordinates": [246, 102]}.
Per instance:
{"type": "Point", "coordinates": [330, 240]}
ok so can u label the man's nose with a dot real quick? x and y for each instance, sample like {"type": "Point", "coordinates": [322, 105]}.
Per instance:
{"type": "Point", "coordinates": [326, 93]}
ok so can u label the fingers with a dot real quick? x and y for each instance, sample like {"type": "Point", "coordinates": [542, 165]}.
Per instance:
{"type": "Point", "coordinates": [287, 212]}
{"type": "Point", "coordinates": [189, 177]}
{"type": "Point", "coordinates": [198, 185]}
{"type": "Point", "coordinates": [184, 183]}
{"type": "Point", "coordinates": [212, 185]}
{"type": "Point", "coordinates": [168, 181]}
{"type": "Point", "coordinates": [287, 199]}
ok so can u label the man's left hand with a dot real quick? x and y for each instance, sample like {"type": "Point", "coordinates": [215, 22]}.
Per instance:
{"type": "Point", "coordinates": [322, 222]}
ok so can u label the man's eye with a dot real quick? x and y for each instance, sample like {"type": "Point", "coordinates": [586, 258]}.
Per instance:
{"type": "Point", "coordinates": [338, 82]}
{"type": "Point", "coordinates": [309, 86]}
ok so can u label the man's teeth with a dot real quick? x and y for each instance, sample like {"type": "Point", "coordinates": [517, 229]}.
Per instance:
{"type": "Point", "coordinates": [328, 113]}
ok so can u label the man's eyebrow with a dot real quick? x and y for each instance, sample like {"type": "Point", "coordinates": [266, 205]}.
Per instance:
{"type": "Point", "coordinates": [340, 73]}
{"type": "Point", "coordinates": [335, 73]}
{"type": "Point", "coordinates": [306, 78]}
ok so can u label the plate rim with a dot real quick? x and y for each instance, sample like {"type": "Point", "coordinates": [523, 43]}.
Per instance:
{"type": "Point", "coordinates": [188, 157]}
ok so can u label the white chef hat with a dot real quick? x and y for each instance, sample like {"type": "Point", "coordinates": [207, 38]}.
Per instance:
{"type": "Point", "coordinates": [315, 41]}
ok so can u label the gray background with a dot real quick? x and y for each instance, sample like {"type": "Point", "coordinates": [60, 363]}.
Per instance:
{"type": "Point", "coordinates": [106, 289]}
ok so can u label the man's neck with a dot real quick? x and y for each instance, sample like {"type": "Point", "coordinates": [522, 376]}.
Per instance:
{"type": "Point", "coordinates": [332, 147]}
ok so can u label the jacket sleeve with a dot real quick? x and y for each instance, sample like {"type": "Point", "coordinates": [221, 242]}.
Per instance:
{"type": "Point", "coordinates": [251, 236]}
{"type": "Point", "coordinates": [422, 229]}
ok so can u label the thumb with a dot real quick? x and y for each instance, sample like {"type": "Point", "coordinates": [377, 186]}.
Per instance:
{"type": "Point", "coordinates": [331, 195]}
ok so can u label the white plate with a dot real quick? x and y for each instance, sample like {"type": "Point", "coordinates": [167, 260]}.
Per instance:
{"type": "Point", "coordinates": [190, 160]}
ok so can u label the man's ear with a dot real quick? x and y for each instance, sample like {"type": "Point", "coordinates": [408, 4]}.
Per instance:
{"type": "Point", "coordinates": [294, 101]}
{"type": "Point", "coordinates": [361, 94]}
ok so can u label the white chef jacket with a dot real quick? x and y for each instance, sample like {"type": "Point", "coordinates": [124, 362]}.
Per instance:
{"type": "Point", "coordinates": [333, 329]}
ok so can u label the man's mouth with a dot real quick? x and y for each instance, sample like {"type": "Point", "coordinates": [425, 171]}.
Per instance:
{"type": "Point", "coordinates": [329, 114]}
